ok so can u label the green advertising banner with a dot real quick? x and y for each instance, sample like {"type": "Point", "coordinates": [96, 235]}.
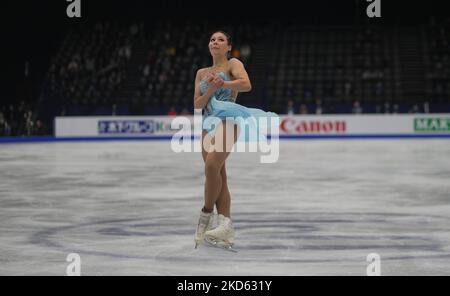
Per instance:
{"type": "Point", "coordinates": [431, 124]}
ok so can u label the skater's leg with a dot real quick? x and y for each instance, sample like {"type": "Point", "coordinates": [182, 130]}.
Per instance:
{"type": "Point", "coordinates": [226, 136]}
{"type": "Point", "coordinates": [213, 183]}
{"type": "Point", "coordinates": [223, 202]}
{"type": "Point", "coordinates": [206, 217]}
{"type": "Point", "coordinates": [207, 141]}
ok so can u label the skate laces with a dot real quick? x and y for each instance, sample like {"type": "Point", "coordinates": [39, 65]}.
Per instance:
{"type": "Point", "coordinates": [203, 221]}
{"type": "Point", "coordinates": [211, 221]}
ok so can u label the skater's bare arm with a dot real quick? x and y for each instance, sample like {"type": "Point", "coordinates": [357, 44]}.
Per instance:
{"type": "Point", "coordinates": [241, 82]}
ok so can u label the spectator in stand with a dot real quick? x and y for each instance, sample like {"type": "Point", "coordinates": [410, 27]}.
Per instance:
{"type": "Point", "coordinates": [5, 130]}
{"type": "Point", "coordinates": [172, 111]}
{"type": "Point", "coordinates": [395, 109]}
{"type": "Point", "coordinates": [303, 109]}
{"type": "Point", "coordinates": [290, 108]}
{"type": "Point", "coordinates": [29, 123]}
{"type": "Point", "coordinates": [414, 109]}
{"type": "Point", "coordinates": [387, 107]}
{"type": "Point", "coordinates": [40, 129]}
{"type": "Point", "coordinates": [236, 53]}
{"type": "Point", "coordinates": [319, 108]}
{"type": "Point", "coordinates": [426, 107]}
{"type": "Point", "coordinates": [245, 52]}
{"type": "Point", "coordinates": [357, 109]}
{"type": "Point", "coordinates": [348, 88]}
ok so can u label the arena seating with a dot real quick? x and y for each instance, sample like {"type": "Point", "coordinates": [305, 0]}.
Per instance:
{"type": "Point", "coordinates": [148, 68]}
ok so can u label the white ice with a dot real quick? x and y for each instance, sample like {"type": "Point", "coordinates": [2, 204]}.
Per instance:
{"type": "Point", "coordinates": [130, 208]}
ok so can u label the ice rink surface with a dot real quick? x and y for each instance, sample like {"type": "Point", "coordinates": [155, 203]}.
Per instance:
{"type": "Point", "coordinates": [131, 208]}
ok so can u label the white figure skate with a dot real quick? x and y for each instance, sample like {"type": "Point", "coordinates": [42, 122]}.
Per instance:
{"type": "Point", "coordinates": [222, 236]}
{"type": "Point", "coordinates": [205, 223]}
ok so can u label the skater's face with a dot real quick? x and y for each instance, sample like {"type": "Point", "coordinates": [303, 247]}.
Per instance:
{"type": "Point", "coordinates": [219, 44]}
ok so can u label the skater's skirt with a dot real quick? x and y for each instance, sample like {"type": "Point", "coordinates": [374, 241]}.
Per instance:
{"type": "Point", "coordinates": [254, 123]}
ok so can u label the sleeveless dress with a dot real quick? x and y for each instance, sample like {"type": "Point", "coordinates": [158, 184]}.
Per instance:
{"type": "Point", "coordinates": [254, 123]}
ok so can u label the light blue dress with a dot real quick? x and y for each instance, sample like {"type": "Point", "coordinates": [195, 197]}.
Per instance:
{"type": "Point", "coordinates": [253, 122]}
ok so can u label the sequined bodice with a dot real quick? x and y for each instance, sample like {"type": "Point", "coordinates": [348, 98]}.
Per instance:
{"type": "Point", "coordinates": [222, 94]}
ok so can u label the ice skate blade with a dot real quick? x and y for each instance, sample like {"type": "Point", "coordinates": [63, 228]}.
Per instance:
{"type": "Point", "coordinates": [220, 245]}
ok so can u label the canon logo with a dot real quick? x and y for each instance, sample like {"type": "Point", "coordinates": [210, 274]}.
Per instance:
{"type": "Point", "coordinates": [291, 125]}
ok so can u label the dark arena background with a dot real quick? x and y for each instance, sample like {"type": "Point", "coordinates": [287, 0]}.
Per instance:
{"type": "Point", "coordinates": [90, 184]}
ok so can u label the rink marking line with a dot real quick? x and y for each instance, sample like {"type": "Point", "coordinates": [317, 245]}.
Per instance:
{"type": "Point", "coordinates": [12, 140]}
{"type": "Point", "coordinates": [46, 238]}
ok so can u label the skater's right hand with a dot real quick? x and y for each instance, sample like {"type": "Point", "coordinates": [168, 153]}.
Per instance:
{"type": "Point", "coordinates": [214, 82]}
{"type": "Point", "coordinates": [210, 77]}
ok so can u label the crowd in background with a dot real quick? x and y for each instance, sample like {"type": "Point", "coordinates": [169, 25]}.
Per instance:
{"type": "Point", "coordinates": [438, 60]}
{"type": "Point", "coordinates": [89, 65]}
{"type": "Point", "coordinates": [318, 108]}
{"type": "Point", "coordinates": [21, 120]}
{"type": "Point", "coordinates": [110, 68]}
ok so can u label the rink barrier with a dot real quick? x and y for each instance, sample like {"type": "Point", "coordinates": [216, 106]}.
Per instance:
{"type": "Point", "coordinates": [18, 140]}
{"type": "Point", "coordinates": [297, 127]}
{"type": "Point", "coordinates": [322, 126]}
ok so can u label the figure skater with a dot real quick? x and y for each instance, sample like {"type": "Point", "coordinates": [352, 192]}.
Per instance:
{"type": "Point", "coordinates": [216, 89]}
